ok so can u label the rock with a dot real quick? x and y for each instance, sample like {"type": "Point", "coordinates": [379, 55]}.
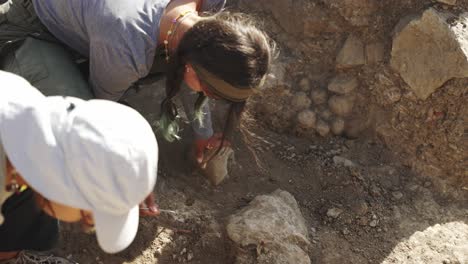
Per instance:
{"type": "Point", "coordinates": [274, 224]}
{"type": "Point", "coordinates": [343, 161]}
{"type": "Point", "coordinates": [428, 51]}
{"type": "Point", "coordinates": [343, 84]}
{"type": "Point", "coordinates": [306, 119]}
{"type": "Point", "coordinates": [434, 244]}
{"type": "Point", "coordinates": [319, 96]}
{"type": "Point", "coordinates": [334, 212]}
{"type": "Point", "coordinates": [216, 169]}
{"type": "Point", "coordinates": [448, 2]}
{"type": "Point", "coordinates": [341, 105]}
{"type": "Point", "coordinates": [304, 84]}
{"type": "Point", "coordinates": [351, 54]}
{"type": "Point", "coordinates": [301, 101]}
{"type": "Point", "coordinates": [345, 231]}
{"type": "Point", "coordinates": [326, 114]}
{"type": "Point", "coordinates": [373, 223]}
{"type": "Point", "coordinates": [338, 126]}
{"type": "Point", "coordinates": [322, 128]}
{"type": "Point", "coordinates": [375, 53]}
{"type": "Point", "coordinates": [397, 195]}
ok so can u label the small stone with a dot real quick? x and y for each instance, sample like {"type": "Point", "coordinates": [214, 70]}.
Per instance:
{"type": "Point", "coordinates": [341, 105]}
{"type": "Point", "coordinates": [334, 212]}
{"type": "Point", "coordinates": [338, 126]}
{"type": "Point", "coordinates": [319, 96]}
{"type": "Point", "coordinates": [189, 256]}
{"type": "Point", "coordinates": [373, 223]}
{"type": "Point", "coordinates": [351, 54]}
{"type": "Point", "coordinates": [301, 101]}
{"type": "Point", "coordinates": [322, 128]}
{"type": "Point", "coordinates": [345, 231]}
{"type": "Point", "coordinates": [374, 53]}
{"type": "Point", "coordinates": [326, 114]}
{"type": "Point", "coordinates": [343, 84]}
{"type": "Point", "coordinates": [306, 119]}
{"type": "Point", "coordinates": [397, 195]}
{"type": "Point", "coordinates": [304, 84]}
{"type": "Point", "coordinates": [343, 162]}
{"type": "Point", "coordinates": [427, 184]}
{"type": "Point", "coordinates": [184, 250]}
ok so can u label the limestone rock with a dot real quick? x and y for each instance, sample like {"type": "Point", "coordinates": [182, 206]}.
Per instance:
{"type": "Point", "coordinates": [306, 119]}
{"type": "Point", "coordinates": [351, 54]}
{"type": "Point", "coordinates": [428, 51]}
{"type": "Point", "coordinates": [301, 101]}
{"type": "Point", "coordinates": [440, 243]}
{"type": "Point", "coordinates": [275, 224]}
{"type": "Point", "coordinates": [322, 128]}
{"type": "Point", "coordinates": [341, 105]}
{"type": "Point", "coordinates": [319, 96]}
{"type": "Point", "coordinates": [375, 53]}
{"type": "Point", "coordinates": [343, 84]}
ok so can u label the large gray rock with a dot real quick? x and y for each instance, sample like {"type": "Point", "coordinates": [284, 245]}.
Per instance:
{"type": "Point", "coordinates": [275, 225]}
{"type": "Point", "coordinates": [430, 50]}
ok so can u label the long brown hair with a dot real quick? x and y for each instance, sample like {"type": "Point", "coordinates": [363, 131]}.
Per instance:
{"type": "Point", "coordinates": [229, 46]}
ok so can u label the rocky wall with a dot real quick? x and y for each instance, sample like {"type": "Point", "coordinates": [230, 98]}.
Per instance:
{"type": "Point", "coordinates": [395, 70]}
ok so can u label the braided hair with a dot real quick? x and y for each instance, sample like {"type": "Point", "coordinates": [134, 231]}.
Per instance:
{"type": "Point", "coordinates": [230, 47]}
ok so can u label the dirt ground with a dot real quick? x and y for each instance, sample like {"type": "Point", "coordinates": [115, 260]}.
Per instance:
{"type": "Point", "coordinates": [381, 185]}
{"type": "Point", "coordinates": [383, 203]}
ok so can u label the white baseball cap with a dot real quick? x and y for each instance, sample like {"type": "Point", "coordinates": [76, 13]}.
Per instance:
{"type": "Point", "coordinates": [93, 155]}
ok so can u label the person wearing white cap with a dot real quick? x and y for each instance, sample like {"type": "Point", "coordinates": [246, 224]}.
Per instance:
{"type": "Point", "coordinates": [92, 161]}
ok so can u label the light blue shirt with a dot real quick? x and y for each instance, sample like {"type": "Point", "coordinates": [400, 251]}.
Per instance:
{"type": "Point", "coordinates": [119, 36]}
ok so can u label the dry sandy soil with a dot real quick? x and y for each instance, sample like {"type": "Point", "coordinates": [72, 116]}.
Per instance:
{"type": "Point", "coordinates": [392, 206]}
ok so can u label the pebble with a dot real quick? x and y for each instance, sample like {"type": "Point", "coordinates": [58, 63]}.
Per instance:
{"type": "Point", "coordinates": [319, 96]}
{"type": "Point", "coordinates": [345, 231]}
{"type": "Point", "coordinates": [343, 84]}
{"type": "Point", "coordinates": [304, 84]}
{"type": "Point", "coordinates": [301, 101]}
{"type": "Point", "coordinates": [306, 119]}
{"type": "Point", "coordinates": [334, 212]}
{"type": "Point", "coordinates": [373, 223]}
{"type": "Point", "coordinates": [338, 126]}
{"type": "Point", "coordinates": [322, 128]}
{"type": "Point", "coordinates": [189, 256]}
{"type": "Point", "coordinates": [341, 105]}
{"type": "Point", "coordinates": [397, 195]}
{"type": "Point", "coordinates": [343, 161]}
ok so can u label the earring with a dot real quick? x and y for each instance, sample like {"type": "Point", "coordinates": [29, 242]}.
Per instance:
{"type": "Point", "coordinates": [13, 186]}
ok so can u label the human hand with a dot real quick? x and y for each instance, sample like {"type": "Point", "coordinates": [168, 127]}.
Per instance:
{"type": "Point", "coordinates": [149, 207]}
{"type": "Point", "coordinates": [201, 145]}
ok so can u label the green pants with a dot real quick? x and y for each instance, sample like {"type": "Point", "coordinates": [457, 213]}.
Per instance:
{"type": "Point", "coordinates": [36, 55]}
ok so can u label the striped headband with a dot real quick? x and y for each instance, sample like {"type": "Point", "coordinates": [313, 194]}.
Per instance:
{"type": "Point", "coordinates": [221, 88]}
